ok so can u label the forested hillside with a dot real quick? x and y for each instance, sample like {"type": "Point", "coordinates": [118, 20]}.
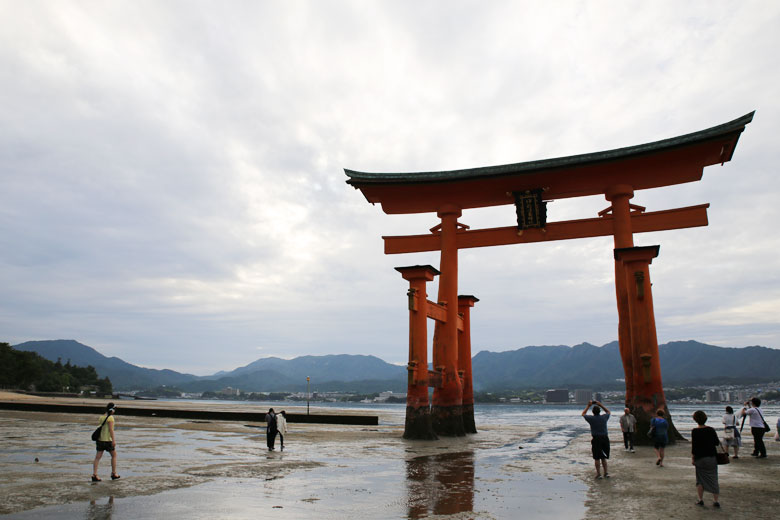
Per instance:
{"type": "Point", "coordinates": [29, 371]}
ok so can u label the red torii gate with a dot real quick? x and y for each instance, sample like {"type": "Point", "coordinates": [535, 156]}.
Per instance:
{"type": "Point", "coordinates": [616, 174]}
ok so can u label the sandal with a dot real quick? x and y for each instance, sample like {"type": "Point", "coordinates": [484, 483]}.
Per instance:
{"type": "Point", "coordinates": [114, 476]}
{"type": "Point", "coordinates": [96, 479]}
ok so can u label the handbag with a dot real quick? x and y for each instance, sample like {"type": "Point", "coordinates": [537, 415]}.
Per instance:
{"type": "Point", "coordinates": [651, 432]}
{"type": "Point", "coordinates": [722, 457]}
{"type": "Point", "coordinates": [96, 433]}
{"type": "Point", "coordinates": [767, 429]}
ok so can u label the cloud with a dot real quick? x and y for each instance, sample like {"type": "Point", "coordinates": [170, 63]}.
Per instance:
{"type": "Point", "coordinates": [172, 173]}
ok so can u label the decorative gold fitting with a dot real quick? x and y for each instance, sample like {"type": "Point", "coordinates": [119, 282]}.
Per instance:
{"type": "Point", "coordinates": [412, 295]}
{"type": "Point", "coordinates": [639, 277]}
{"type": "Point", "coordinates": [646, 367]}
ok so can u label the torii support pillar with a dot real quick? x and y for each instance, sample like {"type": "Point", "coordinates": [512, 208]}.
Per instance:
{"type": "Point", "coordinates": [418, 414]}
{"type": "Point", "coordinates": [465, 303]}
{"type": "Point", "coordinates": [648, 396]}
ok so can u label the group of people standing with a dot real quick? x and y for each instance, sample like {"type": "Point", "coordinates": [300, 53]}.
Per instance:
{"type": "Point", "coordinates": [704, 440]}
{"type": "Point", "coordinates": [275, 423]}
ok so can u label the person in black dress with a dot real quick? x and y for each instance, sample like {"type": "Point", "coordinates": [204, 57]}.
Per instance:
{"type": "Point", "coordinates": [704, 445]}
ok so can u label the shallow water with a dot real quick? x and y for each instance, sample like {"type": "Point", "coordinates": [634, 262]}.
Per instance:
{"type": "Point", "coordinates": [494, 474]}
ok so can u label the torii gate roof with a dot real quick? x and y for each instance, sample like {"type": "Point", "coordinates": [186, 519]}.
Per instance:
{"type": "Point", "coordinates": [651, 165]}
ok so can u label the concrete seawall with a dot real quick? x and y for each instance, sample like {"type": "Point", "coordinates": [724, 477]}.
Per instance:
{"type": "Point", "coordinates": [178, 413]}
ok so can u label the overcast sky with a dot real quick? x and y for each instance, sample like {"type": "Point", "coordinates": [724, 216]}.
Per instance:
{"type": "Point", "coordinates": [172, 179]}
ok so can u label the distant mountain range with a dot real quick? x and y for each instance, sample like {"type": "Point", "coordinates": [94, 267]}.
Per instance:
{"type": "Point", "coordinates": [127, 375]}
{"type": "Point", "coordinates": [584, 365]}
{"type": "Point", "coordinates": [589, 366]}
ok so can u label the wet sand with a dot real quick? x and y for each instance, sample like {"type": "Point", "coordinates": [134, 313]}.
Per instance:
{"type": "Point", "coordinates": [222, 469]}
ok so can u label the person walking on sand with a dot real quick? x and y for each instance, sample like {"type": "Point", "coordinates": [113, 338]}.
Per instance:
{"type": "Point", "coordinates": [270, 429]}
{"type": "Point", "coordinates": [731, 435]}
{"type": "Point", "coordinates": [281, 425]}
{"type": "Point", "coordinates": [704, 443]}
{"type": "Point", "coordinates": [600, 438]}
{"type": "Point", "coordinates": [659, 427]}
{"type": "Point", "coordinates": [628, 427]}
{"type": "Point", "coordinates": [756, 426]}
{"type": "Point", "coordinates": [106, 442]}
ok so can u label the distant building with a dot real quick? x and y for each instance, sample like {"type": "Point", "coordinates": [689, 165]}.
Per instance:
{"type": "Point", "coordinates": [384, 396]}
{"type": "Point", "coordinates": [582, 396]}
{"type": "Point", "coordinates": [598, 397]}
{"type": "Point", "coordinates": [557, 396]}
{"type": "Point", "coordinates": [712, 396]}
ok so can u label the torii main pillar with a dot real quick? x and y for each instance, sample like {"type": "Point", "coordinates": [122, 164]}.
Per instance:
{"type": "Point", "coordinates": [636, 319]}
{"type": "Point", "coordinates": [447, 409]}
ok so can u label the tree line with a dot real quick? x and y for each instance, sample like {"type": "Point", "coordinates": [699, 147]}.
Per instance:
{"type": "Point", "coordinates": [29, 371]}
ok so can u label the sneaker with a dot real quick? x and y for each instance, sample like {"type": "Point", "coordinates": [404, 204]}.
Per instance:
{"type": "Point", "coordinates": [716, 504]}
{"type": "Point", "coordinates": [632, 450]}
{"type": "Point", "coordinates": [761, 456]}
{"type": "Point", "coordinates": [606, 475]}
{"type": "Point", "coordinates": [599, 477]}
{"type": "Point", "coordinates": [700, 503]}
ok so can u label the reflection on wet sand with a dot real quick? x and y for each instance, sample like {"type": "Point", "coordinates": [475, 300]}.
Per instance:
{"type": "Point", "coordinates": [100, 511]}
{"type": "Point", "coordinates": [440, 484]}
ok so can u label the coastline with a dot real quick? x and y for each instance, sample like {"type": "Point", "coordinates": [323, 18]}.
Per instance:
{"type": "Point", "coordinates": [345, 471]}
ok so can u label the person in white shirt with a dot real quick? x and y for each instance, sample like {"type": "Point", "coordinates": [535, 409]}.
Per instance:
{"type": "Point", "coordinates": [281, 424]}
{"type": "Point", "coordinates": [756, 426]}
{"type": "Point", "coordinates": [628, 427]}
{"type": "Point", "coordinates": [731, 435]}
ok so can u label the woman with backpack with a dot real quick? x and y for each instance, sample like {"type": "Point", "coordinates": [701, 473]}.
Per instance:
{"type": "Point", "coordinates": [106, 442]}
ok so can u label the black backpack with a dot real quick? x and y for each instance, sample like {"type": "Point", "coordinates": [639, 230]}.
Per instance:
{"type": "Point", "coordinates": [96, 433]}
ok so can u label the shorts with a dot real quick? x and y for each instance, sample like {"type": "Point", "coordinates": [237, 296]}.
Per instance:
{"type": "Point", "coordinates": [104, 446]}
{"type": "Point", "coordinates": [660, 441]}
{"type": "Point", "coordinates": [600, 447]}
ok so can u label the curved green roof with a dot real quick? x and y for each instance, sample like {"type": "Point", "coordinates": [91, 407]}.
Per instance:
{"type": "Point", "coordinates": [737, 125]}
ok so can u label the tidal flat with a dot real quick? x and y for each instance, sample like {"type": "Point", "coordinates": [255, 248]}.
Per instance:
{"type": "Point", "coordinates": [205, 469]}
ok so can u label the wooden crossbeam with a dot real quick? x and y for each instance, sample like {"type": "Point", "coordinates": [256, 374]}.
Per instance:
{"type": "Point", "coordinates": [679, 218]}
{"type": "Point", "coordinates": [439, 313]}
